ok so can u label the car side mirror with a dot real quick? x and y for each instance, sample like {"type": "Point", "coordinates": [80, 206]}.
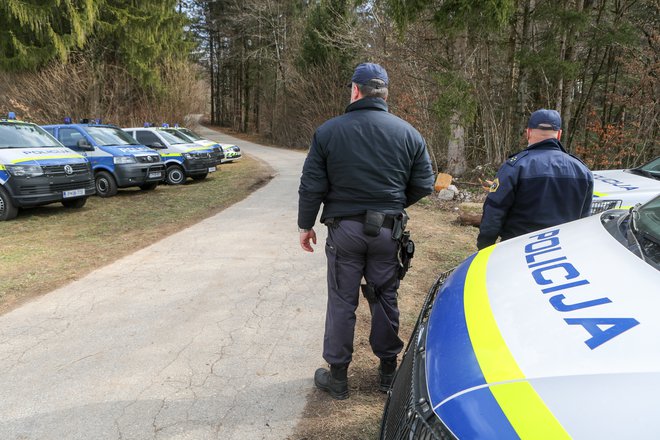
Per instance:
{"type": "Point", "coordinates": [157, 145]}
{"type": "Point", "coordinates": [83, 144]}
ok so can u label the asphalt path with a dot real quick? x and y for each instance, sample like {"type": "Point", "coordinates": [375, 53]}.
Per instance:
{"type": "Point", "coordinates": [210, 333]}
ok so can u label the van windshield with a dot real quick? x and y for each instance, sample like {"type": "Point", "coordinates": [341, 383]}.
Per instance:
{"type": "Point", "coordinates": [191, 134]}
{"type": "Point", "coordinates": [110, 136]}
{"type": "Point", "coordinates": [171, 139]}
{"type": "Point", "coordinates": [179, 135]}
{"type": "Point", "coordinates": [17, 135]}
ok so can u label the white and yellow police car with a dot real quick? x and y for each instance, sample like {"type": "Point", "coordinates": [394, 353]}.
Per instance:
{"type": "Point", "coordinates": [35, 169]}
{"type": "Point", "coordinates": [182, 158]}
{"type": "Point", "coordinates": [230, 152]}
{"type": "Point", "coordinates": [190, 136]}
{"type": "Point", "coordinates": [550, 335]}
{"type": "Point", "coordinates": [625, 188]}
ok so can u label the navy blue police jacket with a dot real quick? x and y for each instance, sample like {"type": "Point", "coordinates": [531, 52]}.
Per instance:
{"type": "Point", "coordinates": [539, 187]}
{"type": "Point", "coordinates": [365, 159]}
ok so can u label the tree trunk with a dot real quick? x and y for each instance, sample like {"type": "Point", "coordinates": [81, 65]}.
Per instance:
{"type": "Point", "coordinates": [456, 163]}
{"type": "Point", "coordinates": [456, 160]}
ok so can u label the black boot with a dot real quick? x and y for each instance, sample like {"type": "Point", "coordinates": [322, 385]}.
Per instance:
{"type": "Point", "coordinates": [334, 381]}
{"type": "Point", "coordinates": [386, 372]}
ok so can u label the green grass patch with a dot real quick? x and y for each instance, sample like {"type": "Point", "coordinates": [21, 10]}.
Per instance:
{"type": "Point", "coordinates": [45, 247]}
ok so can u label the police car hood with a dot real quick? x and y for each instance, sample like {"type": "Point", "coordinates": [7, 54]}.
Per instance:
{"type": "Point", "coordinates": [39, 156]}
{"type": "Point", "coordinates": [206, 143]}
{"type": "Point", "coordinates": [622, 184]}
{"type": "Point", "coordinates": [187, 148]}
{"type": "Point", "coordinates": [553, 335]}
{"type": "Point", "coordinates": [129, 150]}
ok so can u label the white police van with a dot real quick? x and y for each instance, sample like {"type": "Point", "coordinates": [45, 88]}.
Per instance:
{"type": "Point", "coordinates": [550, 335]}
{"type": "Point", "coordinates": [117, 159]}
{"type": "Point", "coordinates": [182, 158]}
{"type": "Point", "coordinates": [188, 136]}
{"type": "Point", "coordinates": [230, 152]}
{"type": "Point", "coordinates": [625, 188]}
{"type": "Point", "coordinates": [35, 169]}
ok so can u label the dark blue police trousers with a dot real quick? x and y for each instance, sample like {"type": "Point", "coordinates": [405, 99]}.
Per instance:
{"type": "Point", "coordinates": [352, 255]}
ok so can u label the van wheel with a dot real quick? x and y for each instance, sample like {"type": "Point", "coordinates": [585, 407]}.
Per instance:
{"type": "Point", "coordinates": [75, 203]}
{"type": "Point", "coordinates": [7, 209]}
{"type": "Point", "coordinates": [200, 176]}
{"type": "Point", "coordinates": [105, 184]}
{"type": "Point", "coordinates": [149, 186]}
{"type": "Point", "coordinates": [175, 175]}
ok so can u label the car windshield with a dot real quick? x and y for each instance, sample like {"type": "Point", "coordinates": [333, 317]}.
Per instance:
{"type": "Point", "coordinates": [17, 135]}
{"type": "Point", "coordinates": [645, 225]}
{"type": "Point", "coordinates": [178, 134]}
{"type": "Point", "coordinates": [171, 139]}
{"type": "Point", "coordinates": [651, 169]}
{"type": "Point", "coordinates": [111, 136]}
{"type": "Point", "coordinates": [191, 134]}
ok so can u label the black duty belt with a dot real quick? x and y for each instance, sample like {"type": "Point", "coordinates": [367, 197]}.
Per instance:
{"type": "Point", "coordinates": [388, 223]}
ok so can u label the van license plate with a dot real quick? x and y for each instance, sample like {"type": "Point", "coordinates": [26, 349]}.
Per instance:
{"type": "Point", "coordinates": [73, 193]}
{"type": "Point", "coordinates": [211, 169]}
{"type": "Point", "coordinates": [153, 175]}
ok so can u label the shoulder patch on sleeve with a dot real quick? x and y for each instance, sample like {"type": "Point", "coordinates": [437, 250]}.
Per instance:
{"type": "Point", "coordinates": [494, 185]}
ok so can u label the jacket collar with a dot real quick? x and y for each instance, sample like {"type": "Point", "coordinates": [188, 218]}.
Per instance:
{"type": "Point", "coordinates": [369, 103]}
{"type": "Point", "coordinates": [547, 144]}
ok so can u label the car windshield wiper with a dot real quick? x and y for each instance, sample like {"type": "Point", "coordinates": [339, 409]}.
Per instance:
{"type": "Point", "coordinates": [644, 173]}
{"type": "Point", "coordinates": [633, 236]}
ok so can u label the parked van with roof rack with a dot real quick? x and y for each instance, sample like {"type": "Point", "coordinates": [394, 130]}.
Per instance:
{"type": "Point", "coordinates": [182, 158]}
{"type": "Point", "coordinates": [117, 159]}
{"type": "Point", "coordinates": [35, 169]}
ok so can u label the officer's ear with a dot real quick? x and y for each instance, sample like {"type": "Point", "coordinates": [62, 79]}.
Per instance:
{"type": "Point", "coordinates": [559, 135]}
{"type": "Point", "coordinates": [355, 93]}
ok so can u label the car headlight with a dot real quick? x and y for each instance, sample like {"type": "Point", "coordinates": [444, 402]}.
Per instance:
{"type": "Point", "coordinates": [123, 159]}
{"type": "Point", "coordinates": [25, 170]}
{"type": "Point", "coordinates": [188, 156]}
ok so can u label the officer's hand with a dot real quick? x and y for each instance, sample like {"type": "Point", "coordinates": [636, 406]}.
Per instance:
{"type": "Point", "coordinates": [304, 240]}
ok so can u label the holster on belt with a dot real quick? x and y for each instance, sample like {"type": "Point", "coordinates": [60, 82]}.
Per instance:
{"type": "Point", "coordinates": [373, 221]}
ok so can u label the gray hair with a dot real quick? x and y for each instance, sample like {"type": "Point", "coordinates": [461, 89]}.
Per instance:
{"type": "Point", "coordinates": [375, 88]}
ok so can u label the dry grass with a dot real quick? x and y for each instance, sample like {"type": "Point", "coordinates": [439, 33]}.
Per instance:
{"type": "Point", "coordinates": [49, 246]}
{"type": "Point", "coordinates": [81, 89]}
{"type": "Point", "coordinates": [441, 245]}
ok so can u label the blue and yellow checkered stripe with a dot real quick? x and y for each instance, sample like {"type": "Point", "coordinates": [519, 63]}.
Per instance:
{"type": "Point", "coordinates": [478, 379]}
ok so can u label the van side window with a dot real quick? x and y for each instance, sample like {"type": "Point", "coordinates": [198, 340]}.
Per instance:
{"type": "Point", "coordinates": [146, 138]}
{"type": "Point", "coordinates": [69, 137]}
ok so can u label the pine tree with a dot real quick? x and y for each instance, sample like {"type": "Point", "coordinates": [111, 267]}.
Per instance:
{"type": "Point", "coordinates": [142, 37]}
{"type": "Point", "coordinates": [34, 32]}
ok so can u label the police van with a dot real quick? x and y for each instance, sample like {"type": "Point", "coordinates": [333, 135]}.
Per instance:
{"type": "Point", "coordinates": [117, 159]}
{"type": "Point", "coordinates": [182, 158]}
{"type": "Point", "coordinates": [550, 335]}
{"type": "Point", "coordinates": [35, 169]}
{"type": "Point", "coordinates": [625, 188]}
{"type": "Point", "coordinates": [230, 152]}
{"type": "Point", "coordinates": [188, 136]}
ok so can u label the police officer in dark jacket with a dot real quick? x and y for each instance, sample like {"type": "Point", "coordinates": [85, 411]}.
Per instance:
{"type": "Point", "coordinates": [365, 167]}
{"type": "Point", "coordinates": [539, 187]}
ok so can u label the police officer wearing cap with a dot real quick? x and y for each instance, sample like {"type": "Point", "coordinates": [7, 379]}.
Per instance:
{"type": "Point", "coordinates": [365, 167]}
{"type": "Point", "coordinates": [539, 187]}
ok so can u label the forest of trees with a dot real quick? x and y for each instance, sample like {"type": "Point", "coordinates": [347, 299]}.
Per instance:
{"type": "Point", "coordinates": [123, 61]}
{"type": "Point", "coordinates": [466, 73]}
